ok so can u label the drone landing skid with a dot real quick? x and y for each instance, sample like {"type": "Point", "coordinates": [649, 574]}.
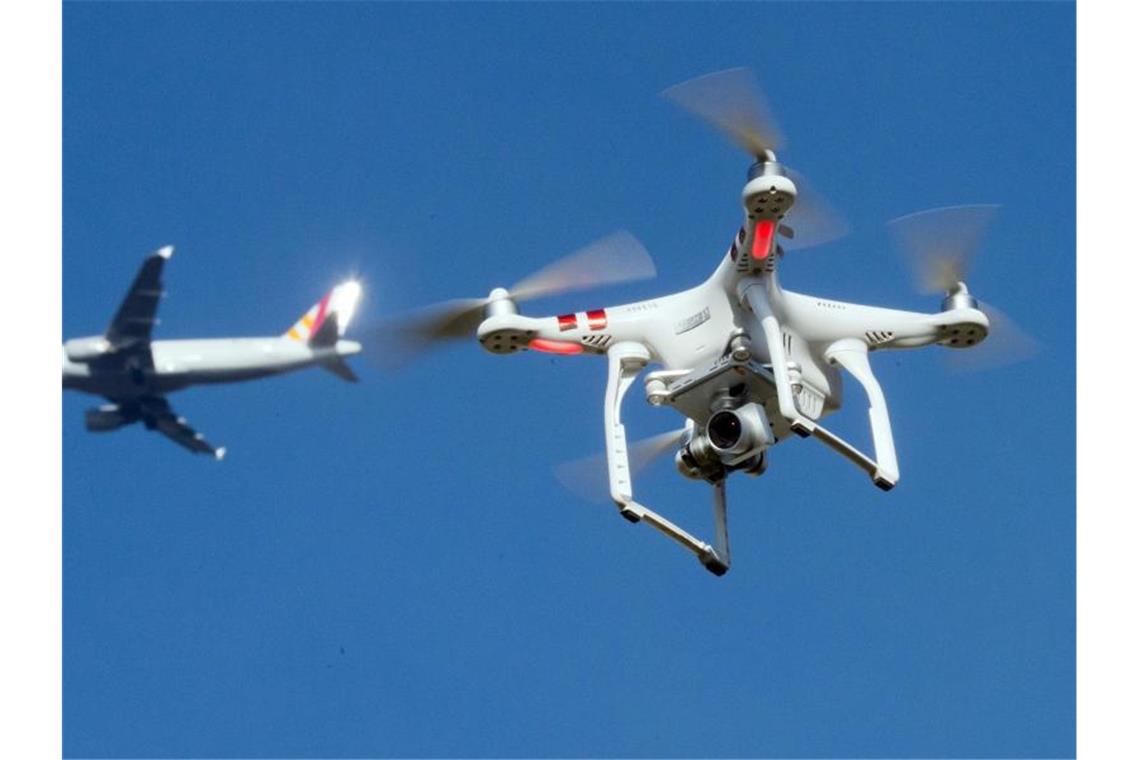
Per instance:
{"type": "Point", "coordinates": [860, 460]}
{"type": "Point", "coordinates": [715, 559]}
{"type": "Point", "coordinates": [694, 394]}
{"type": "Point", "coordinates": [626, 360]}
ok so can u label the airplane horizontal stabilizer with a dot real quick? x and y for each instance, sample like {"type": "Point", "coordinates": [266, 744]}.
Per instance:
{"type": "Point", "coordinates": [340, 368]}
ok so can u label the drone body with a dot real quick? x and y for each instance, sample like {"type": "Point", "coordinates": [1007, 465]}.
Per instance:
{"type": "Point", "coordinates": [745, 362]}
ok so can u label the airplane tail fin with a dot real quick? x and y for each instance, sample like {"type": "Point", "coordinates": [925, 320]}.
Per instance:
{"type": "Point", "coordinates": [326, 321]}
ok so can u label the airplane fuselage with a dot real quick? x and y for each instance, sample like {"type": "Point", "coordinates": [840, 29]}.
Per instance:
{"type": "Point", "coordinates": [178, 364]}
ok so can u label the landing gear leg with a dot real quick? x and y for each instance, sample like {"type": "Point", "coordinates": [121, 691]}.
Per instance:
{"type": "Point", "coordinates": [717, 561]}
{"type": "Point", "coordinates": [852, 356]}
{"type": "Point", "coordinates": [626, 360]}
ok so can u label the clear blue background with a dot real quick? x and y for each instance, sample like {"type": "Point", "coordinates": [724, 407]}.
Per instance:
{"type": "Point", "coordinates": [390, 568]}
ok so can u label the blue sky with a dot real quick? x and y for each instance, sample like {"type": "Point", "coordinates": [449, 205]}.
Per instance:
{"type": "Point", "coordinates": [390, 568]}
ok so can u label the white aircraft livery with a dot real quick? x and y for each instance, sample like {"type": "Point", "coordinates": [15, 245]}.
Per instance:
{"type": "Point", "coordinates": [135, 373]}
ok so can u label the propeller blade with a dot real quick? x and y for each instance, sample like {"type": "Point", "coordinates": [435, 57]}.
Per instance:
{"type": "Point", "coordinates": [451, 320]}
{"type": "Point", "coordinates": [619, 257]}
{"type": "Point", "coordinates": [589, 477]}
{"type": "Point", "coordinates": [401, 338]}
{"type": "Point", "coordinates": [731, 101]}
{"type": "Point", "coordinates": [1006, 344]}
{"type": "Point", "coordinates": [813, 220]}
{"type": "Point", "coordinates": [941, 243]}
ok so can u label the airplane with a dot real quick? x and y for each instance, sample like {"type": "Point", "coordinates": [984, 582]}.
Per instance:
{"type": "Point", "coordinates": [134, 373]}
{"type": "Point", "coordinates": [746, 363]}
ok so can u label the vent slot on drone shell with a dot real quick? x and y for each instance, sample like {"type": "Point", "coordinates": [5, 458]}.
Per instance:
{"type": "Point", "coordinates": [600, 341]}
{"type": "Point", "coordinates": [766, 265]}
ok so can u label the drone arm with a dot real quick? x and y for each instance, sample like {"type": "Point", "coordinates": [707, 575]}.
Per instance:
{"type": "Point", "coordinates": [851, 354]}
{"type": "Point", "coordinates": [589, 332]}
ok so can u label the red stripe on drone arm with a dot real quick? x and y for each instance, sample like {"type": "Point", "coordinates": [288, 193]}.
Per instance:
{"type": "Point", "coordinates": [596, 319]}
{"type": "Point", "coordinates": [555, 346]}
{"type": "Point", "coordinates": [567, 322]}
{"type": "Point", "coordinates": [322, 311]}
{"type": "Point", "coordinates": [762, 238]}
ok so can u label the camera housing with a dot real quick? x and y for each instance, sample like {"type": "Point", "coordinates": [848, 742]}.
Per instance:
{"type": "Point", "coordinates": [734, 439]}
{"type": "Point", "coordinates": [739, 434]}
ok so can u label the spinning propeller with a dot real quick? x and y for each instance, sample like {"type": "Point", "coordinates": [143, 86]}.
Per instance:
{"type": "Point", "coordinates": [732, 101]}
{"type": "Point", "coordinates": [940, 245]}
{"type": "Point", "coordinates": [589, 478]}
{"type": "Point", "coordinates": [618, 257]}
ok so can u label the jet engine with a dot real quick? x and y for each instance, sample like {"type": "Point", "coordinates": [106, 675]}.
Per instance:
{"type": "Point", "coordinates": [87, 349]}
{"type": "Point", "coordinates": [109, 417]}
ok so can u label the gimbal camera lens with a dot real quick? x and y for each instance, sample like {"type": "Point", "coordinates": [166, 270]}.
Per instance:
{"type": "Point", "coordinates": [724, 429]}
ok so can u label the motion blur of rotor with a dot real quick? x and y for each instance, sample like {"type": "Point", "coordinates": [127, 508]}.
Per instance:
{"type": "Point", "coordinates": [615, 258]}
{"type": "Point", "coordinates": [587, 477]}
{"type": "Point", "coordinates": [940, 246]}
{"type": "Point", "coordinates": [732, 101]}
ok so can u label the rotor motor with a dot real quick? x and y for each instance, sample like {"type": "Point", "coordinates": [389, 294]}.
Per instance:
{"type": "Point", "coordinates": [968, 332]}
{"type": "Point", "coordinates": [769, 193]}
{"type": "Point", "coordinates": [505, 340]}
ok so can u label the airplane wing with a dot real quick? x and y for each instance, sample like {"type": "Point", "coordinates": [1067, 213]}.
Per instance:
{"type": "Point", "coordinates": [157, 415]}
{"type": "Point", "coordinates": [136, 315]}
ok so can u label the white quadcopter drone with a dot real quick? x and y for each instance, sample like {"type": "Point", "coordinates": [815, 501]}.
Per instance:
{"type": "Point", "coordinates": [745, 362]}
